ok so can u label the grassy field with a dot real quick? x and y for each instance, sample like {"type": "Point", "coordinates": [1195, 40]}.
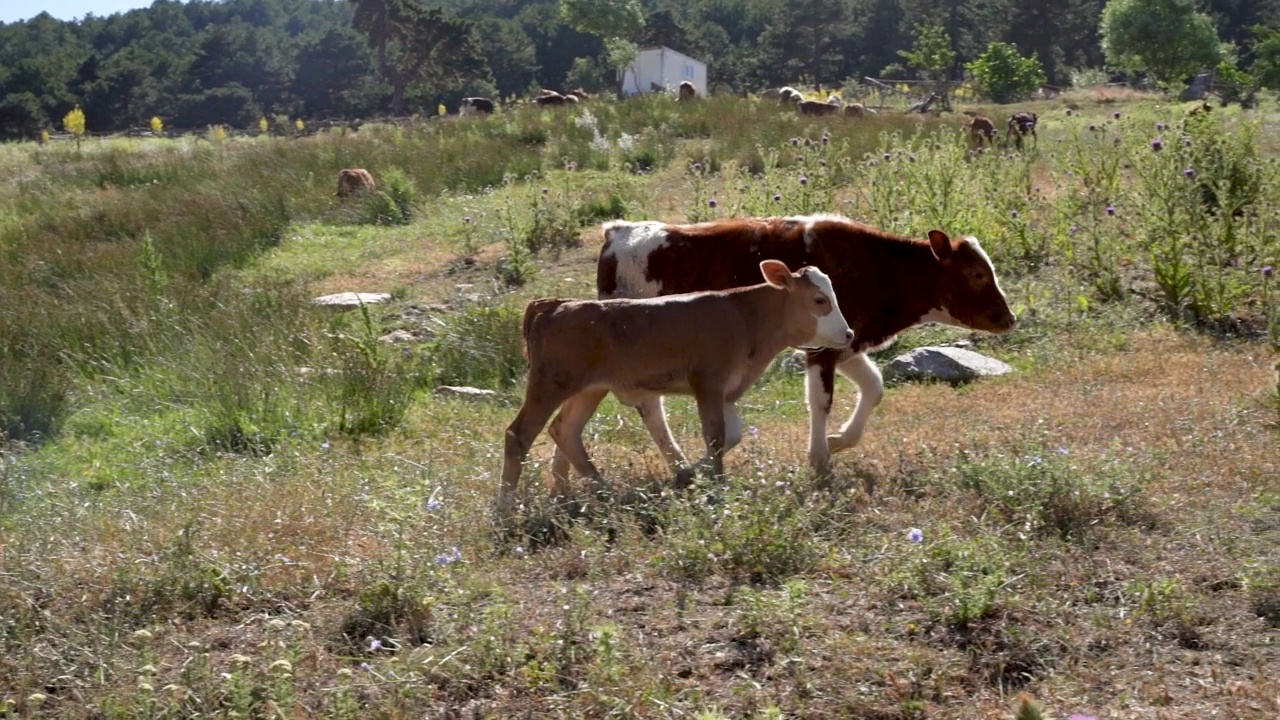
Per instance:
{"type": "Point", "coordinates": [217, 500]}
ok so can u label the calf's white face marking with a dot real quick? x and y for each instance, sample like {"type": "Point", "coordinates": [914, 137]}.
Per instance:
{"type": "Point", "coordinates": [832, 330]}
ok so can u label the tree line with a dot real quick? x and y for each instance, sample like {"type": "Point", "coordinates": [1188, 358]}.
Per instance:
{"type": "Point", "coordinates": [235, 62]}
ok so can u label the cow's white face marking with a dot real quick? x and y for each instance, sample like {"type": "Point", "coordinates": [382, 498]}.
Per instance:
{"type": "Point", "coordinates": [632, 243]}
{"type": "Point", "coordinates": [973, 243]}
{"type": "Point", "coordinates": [833, 329]}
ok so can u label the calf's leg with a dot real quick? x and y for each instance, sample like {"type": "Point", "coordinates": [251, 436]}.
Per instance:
{"type": "Point", "coordinates": [529, 422]}
{"type": "Point", "coordinates": [566, 429]}
{"type": "Point", "coordinates": [711, 413]}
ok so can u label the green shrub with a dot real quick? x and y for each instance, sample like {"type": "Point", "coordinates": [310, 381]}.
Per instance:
{"type": "Point", "coordinates": [1003, 75]}
{"type": "Point", "coordinates": [379, 208]}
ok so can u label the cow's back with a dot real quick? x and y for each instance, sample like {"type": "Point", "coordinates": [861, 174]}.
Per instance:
{"type": "Point", "coordinates": [649, 259]}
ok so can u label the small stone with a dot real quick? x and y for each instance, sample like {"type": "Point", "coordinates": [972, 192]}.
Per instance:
{"type": "Point", "coordinates": [398, 337]}
{"type": "Point", "coordinates": [346, 300]}
{"type": "Point", "coordinates": [464, 392]}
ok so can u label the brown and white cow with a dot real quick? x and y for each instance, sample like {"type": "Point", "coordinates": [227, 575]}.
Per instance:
{"type": "Point", "coordinates": [981, 130]}
{"type": "Point", "coordinates": [355, 180]}
{"type": "Point", "coordinates": [475, 106]}
{"type": "Point", "coordinates": [1020, 125]}
{"type": "Point", "coordinates": [886, 283]}
{"type": "Point", "coordinates": [712, 345]}
{"type": "Point", "coordinates": [687, 91]}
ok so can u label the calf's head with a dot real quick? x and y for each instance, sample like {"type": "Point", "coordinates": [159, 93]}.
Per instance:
{"type": "Point", "coordinates": [811, 303]}
{"type": "Point", "coordinates": [969, 292]}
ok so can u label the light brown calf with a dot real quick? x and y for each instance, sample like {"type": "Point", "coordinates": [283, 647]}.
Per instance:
{"type": "Point", "coordinates": [981, 131]}
{"type": "Point", "coordinates": [712, 345]}
{"type": "Point", "coordinates": [687, 91]}
{"type": "Point", "coordinates": [355, 180]}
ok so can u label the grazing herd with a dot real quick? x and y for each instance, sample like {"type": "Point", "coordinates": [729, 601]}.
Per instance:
{"type": "Point", "coordinates": [668, 320]}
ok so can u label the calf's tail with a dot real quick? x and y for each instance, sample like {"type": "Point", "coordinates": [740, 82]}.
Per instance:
{"type": "Point", "coordinates": [531, 312]}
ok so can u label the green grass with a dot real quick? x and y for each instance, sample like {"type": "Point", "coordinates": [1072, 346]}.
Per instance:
{"type": "Point", "coordinates": [218, 500]}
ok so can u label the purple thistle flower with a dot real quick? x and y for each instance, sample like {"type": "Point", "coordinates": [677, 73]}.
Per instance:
{"type": "Point", "coordinates": [697, 167]}
{"type": "Point", "coordinates": [454, 555]}
{"type": "Point", "coordinates": [915, 535]}
{"type": "Point", "coordinates": [1068, 112]}
{"type": "Point", "coordinates": [826, 139]}
{"type": "Point", "coordinates": [1092, 127]}
{"type": "Point", "coordinates": [1190, 172]}
{"type": "Point", "coordinates": [795, 142]}
{"type": "Point", "coordinates": [804, 180]}
{"type": "Point", "coordinates": [1160, 127]}
{"type": "Point", "coordinates": [777, 197]}
{"type": "Point", "coordinates": [571, 166]}
{"type": "Point", "coordinates": [1157, 144]}
{"type": "Point", "coordinates": [1073, 229]}
{"type": "Point", "coordinates": [545, 191]}
{"type": "Point", "coordinates": [366, 667]}
{"type": "Point", "coordinates": [467, 220]}
{"type": "Point", "coordinates": [1267, 271]}
{"type": "Point", "coordinates": [1111, 209]}
{"type": "Point", "coordinates": [375, 645]}
{"type": "Point", "coordinates": [888, 157]}
{"type": "Point", "coordinates": [711, 203]}
{"type": "Point", "coordinates": [911, 158]}
{"type": "Point", "coordinates": [1116, 115]}
{"type": "Point", "coordinates": [1015, 214]}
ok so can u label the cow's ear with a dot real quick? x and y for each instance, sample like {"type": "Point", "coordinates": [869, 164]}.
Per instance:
{"type": "Point", "coordinates": [775, 272]}
{"type": "Point", "coordinates": [941, 245]}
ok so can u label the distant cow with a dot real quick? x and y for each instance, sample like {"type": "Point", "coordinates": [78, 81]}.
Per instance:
{"type": "Point", "coordinates": [857, 110]}
{"type": "Point", "coordinates": [355, 180]}
{"type": "Point", "coordinates": [788, 94]}
{"type": "Point", "coordinates": [1020, 125]}
{"type": "Point", "coordinates": [581, 94]}
{"type": "Point", "coordinates": [885, 283]}
{"type": "Point", "coordinates": [687, 91]}
{"type": "Point", "coordinates": [832, 106]}
{"type": "Point", "coordinates": [981, 130]}
{"type": "Point", "coordinates": [551, 98]}
{"type": "Point", "coordinates": [711, 345]}
{"type": "Point", "coordinates": [476, 106]}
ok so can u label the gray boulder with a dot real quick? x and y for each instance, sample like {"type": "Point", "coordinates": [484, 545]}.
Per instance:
{"type": "Point", "coordinates": [948, 364]}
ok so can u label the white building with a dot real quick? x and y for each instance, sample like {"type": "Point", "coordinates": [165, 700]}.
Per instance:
{"type": "Point", "coordinates": [662, 69]}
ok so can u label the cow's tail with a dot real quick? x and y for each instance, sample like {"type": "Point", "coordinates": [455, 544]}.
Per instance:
{"type": "Point", "coordinates": [531, 312]}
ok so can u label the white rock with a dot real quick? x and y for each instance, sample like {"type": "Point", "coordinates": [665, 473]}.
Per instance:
{"type": "Point", "coordinates": [398, 337]}
{"type": "Point", "coordinates": [351, 299]}
{"type": "Point", "coordinates": [464, 392]}
{"type": "Point", "coordinates": [948, 364]}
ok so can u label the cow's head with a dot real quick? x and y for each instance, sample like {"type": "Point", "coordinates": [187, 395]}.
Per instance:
{"type": "Point", "coordinates": [811, 304]}
{"type": "Point", "coordinates": [969, 292]}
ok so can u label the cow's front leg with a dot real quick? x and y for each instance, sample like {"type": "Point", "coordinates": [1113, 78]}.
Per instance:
{"type": "Point", "coordinates": [820, 378]}
{"type": "Point", "coordinates": [654, 415]}
{"type": "Point", "coordinates": [862, 371]}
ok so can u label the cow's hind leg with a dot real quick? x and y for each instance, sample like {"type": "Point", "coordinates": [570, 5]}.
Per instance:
{"type": "Point", "coordinates": [819, 383]}
{"type": "Point", "coordinates": [566, 430]}
{"type": "Point", "coordinates": [654, 415]}
{"type": "Point", "coordinates": [864, 372]}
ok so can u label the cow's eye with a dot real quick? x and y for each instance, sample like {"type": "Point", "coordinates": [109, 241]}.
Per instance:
{"type": "Point", "coordinates": [821, 299]}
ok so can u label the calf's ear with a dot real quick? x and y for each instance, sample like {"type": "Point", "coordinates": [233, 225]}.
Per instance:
{"type": "Point", "coordinates": [941, 245]}
{"type": "Point", "coordinates": [775, 272]}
